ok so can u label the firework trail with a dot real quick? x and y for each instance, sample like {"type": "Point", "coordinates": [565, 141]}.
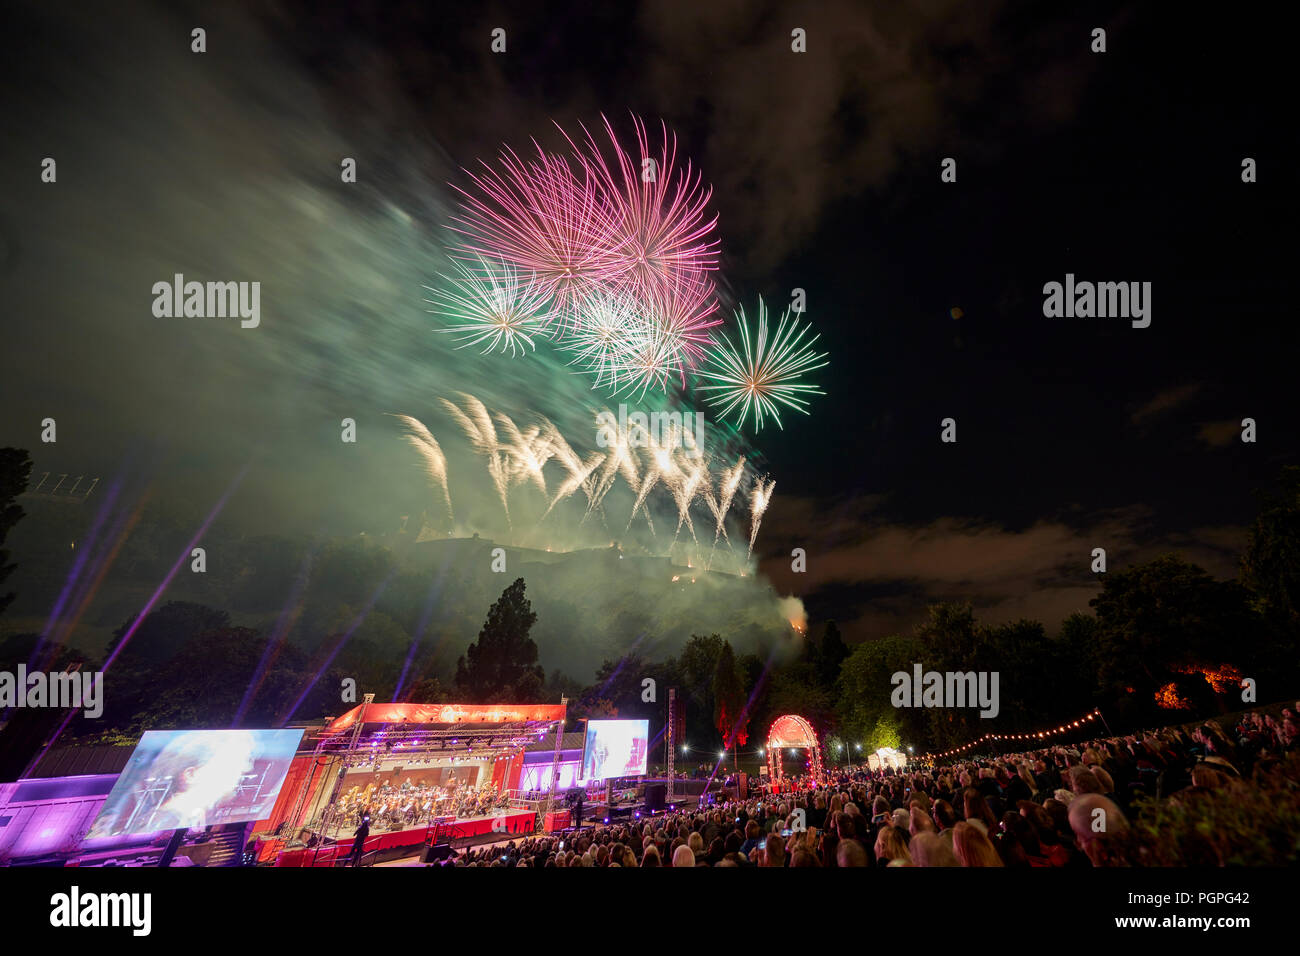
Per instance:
{"type": "Point", "coordinates": [762, 374]}
{"type": "Point", "coordinates": [728, 482]}
{"type": "Point", "coordinates": [758, 501]}
{"type": "Point", "coordinates": [528, 451]}
{"type": "Point", "coordinates": [685, 488]}
{"type": "Point", "coordinates": [492, 305]}
{"type": "Point", "coordinates": [435, 462]}
{"type": "Point", "coordinates": [579, 471]}
{"type": "Point", "coordinates": [645, 460]}
{"type": "Point", "coordinates": [660, 467]}
{"type": "Point", "coordinates": [619, 461]}
{"type": "Point", "coordinates": [477, 425]}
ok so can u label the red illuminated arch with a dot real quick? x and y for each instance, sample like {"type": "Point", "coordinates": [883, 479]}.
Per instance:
{"type": "Point", "coordinates": [791, 730]}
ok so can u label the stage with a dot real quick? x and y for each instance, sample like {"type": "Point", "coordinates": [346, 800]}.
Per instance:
{"type": "Point", "coordinates": [516, 822]}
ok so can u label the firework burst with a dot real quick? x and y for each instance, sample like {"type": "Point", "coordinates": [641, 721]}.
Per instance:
{"type": "Point", "coordinates": [545, 219]}
{"type": "Point", "coordinates": [764, 372]}
{"type": "Point", "coordinates": [657, 212]}
{"type": "Point", "coordinates": [492, 305]}
{"type": "Point", "coordinates": [620, 249]}
{"type": "Point", "coordinates": [611, 331]}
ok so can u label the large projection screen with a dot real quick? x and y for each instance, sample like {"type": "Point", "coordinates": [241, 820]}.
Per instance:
{"type": "Point", "coordinates": [615, 748]}
{"type": "Point", "coordinates": [183, 779]}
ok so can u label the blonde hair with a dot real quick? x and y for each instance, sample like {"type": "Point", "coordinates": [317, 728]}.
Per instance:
{"type": "Point", "coordinates": [972, 847]}
{"type": "Point", "coordinates": [892, 844]}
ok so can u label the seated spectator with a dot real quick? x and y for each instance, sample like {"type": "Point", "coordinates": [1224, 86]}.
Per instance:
{"type": "Point", "coordinates": [929, 849]}
{"type": "Point", "coordinates": [891, 847]}
{"type": "Point", "coordinates": [851, 853]}
{"type": "Point", "coordinates": [1094, 830]}
{"type": "Point", "coordinates": [773, 851]}
{"type": "Point", "coordinates": [972, 847]}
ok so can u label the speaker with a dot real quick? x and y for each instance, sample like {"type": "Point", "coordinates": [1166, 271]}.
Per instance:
{"type": "Point", "coordinates": [742, 787]}
{"type": "Point", "coordinates": [654, 797]}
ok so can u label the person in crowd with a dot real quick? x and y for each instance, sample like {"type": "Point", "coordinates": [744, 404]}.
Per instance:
{"type": "Point", "coordinates": [972, 847]}
{"type": "Point", "coordinates": [851, 853]}
{"type": "Point", "coordinates": [1096, 821]}
{"type": "Point", "coordinates": [773, 851]}
{"type": "Point", "coordinates": [891, 847]}
{"type": "Point", "coordinates": [929, 849]}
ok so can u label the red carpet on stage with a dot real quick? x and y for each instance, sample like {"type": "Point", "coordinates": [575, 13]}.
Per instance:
{"type": "Point", "coordinates": [517, 822]}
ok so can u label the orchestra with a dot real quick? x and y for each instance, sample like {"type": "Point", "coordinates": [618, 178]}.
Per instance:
{"type": "Point", "coordinates": [410, 805]}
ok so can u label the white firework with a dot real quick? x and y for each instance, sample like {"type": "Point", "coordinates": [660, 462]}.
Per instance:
{"type": "Point", "coordinates": [491, 304]}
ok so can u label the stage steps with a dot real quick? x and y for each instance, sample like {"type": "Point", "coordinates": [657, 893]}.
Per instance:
{"type": "Point", "coordinates": [227, 846]}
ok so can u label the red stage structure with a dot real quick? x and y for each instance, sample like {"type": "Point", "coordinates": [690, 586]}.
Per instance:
{"type": "Point", "coordinates": [791, 730]}
{"type": "Point", "coordinates": [446, 747]}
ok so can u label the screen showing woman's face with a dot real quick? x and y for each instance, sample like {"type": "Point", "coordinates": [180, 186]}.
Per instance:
{"type": "Point", "coordinates": [219, 776]}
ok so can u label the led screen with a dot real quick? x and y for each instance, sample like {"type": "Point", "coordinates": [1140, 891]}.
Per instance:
{"type": "Point", "coordinates": [615, 748]}
{"type": "Point", "coordinates": [183, 779]}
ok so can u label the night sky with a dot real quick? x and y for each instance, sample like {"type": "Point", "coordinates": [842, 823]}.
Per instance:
{"type": "Point", "coordinates": [1072, 433]}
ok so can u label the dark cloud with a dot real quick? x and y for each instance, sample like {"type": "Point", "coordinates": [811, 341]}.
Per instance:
{"type": "Point", "coordinates": [1219, 434]}
{"type": "Point", "coordinates": [883, 573]}
{"type": "Point", "coordinates": [1165, 401]}
{"type": "Point", "coordinates": [789, 135]}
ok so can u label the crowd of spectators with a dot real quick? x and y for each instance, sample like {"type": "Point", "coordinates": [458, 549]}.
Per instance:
{"type": "Point", "coordinates": [1060, 806]}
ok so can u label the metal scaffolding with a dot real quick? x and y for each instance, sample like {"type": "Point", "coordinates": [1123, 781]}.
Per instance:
{"type": "Point", "coordinates": [672, 748]}
{"type": "Point", "coordinates": [555, 767]}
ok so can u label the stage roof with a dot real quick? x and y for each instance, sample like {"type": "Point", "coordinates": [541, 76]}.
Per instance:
{"type": "Point", "coordinates": [446, 714]}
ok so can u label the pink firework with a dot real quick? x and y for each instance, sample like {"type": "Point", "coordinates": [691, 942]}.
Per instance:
{"type": "Point", "coordinates": [658, 213]}
{"type": "Point", "coordinates": [545, 219]}
{"type": "Point", "coordinates": [682, 309]}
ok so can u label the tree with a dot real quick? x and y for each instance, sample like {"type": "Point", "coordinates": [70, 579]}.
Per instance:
{"type": "Point", "coordinates": [1271, 562]}
{"type": "Point", "coordinates": [692, 672]}
{"type": "Point", "coordinates": [833, 653]}
{"type": "Point", "coordinates": [729, 700]}
{"type": "Point", "coordinates": [425, 690]}
{"type": "Point", "coordinates": [26, 730]}
{"type": "Point", "coordinates": [796, 688]}
{"type": "Point", "coordinates": [619, 684]}
{"type": "Point", "coordinates": [502, 663]}
{"type": "Point", "coordinates": [865, 686]}
{"type": "Point", "coordinates": [1168, 622]}
{"type": "Point", "coordinates": [15, 468]}
{"type": "Point", "coordinates": [164, 633]}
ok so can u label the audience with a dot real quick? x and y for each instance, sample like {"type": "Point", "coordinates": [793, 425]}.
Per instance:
{"type": "Point", "coordinates": [1061, 806]}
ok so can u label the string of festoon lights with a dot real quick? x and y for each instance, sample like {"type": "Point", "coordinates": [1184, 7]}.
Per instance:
{"type": "Point", "coordinates": [1083, 721]}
